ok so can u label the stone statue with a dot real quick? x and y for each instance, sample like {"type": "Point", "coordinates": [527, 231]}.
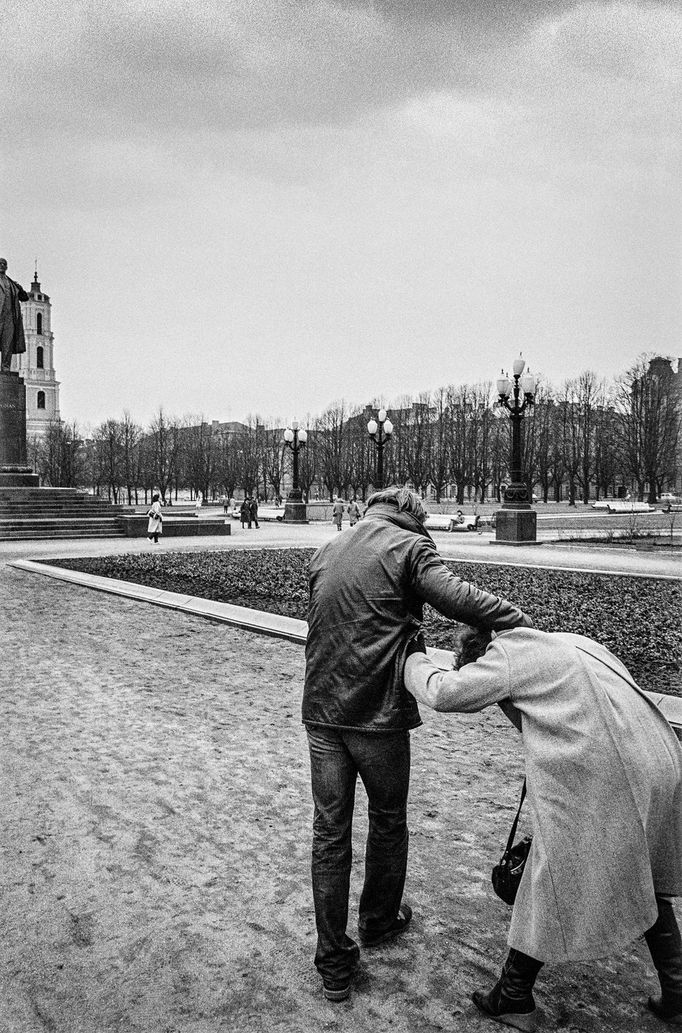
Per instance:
{"type": "Point", "coordinates": [11, 324]}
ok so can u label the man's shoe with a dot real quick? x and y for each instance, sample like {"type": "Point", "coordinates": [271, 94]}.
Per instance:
{"type": "Point", "coordinates": [336, 989]}
{"type": "Point", "coordinates": [399, 925]}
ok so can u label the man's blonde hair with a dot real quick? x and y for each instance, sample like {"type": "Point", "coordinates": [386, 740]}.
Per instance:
{"type": "Point", "coordinates": [404, 499]}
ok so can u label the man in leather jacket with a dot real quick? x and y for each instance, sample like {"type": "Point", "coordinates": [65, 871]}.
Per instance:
{"type": "Point", "coordinates": [367, 591]}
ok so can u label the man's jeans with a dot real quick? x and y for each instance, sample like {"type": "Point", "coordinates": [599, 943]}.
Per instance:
{"type": "Point", "coordinates": [382, 760]}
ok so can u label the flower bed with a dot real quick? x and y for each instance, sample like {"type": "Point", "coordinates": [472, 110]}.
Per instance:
{"type": "Point", "coordinates": [637, 618]}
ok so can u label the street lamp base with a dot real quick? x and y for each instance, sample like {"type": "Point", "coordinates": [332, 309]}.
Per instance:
{"type": "Point", "coordinates": [295, 513]}
{"type": "Point", "coordinates": [516, 526]}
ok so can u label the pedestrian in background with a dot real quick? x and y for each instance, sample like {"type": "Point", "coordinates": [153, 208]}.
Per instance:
{"type": "Point", "coordinates": [244, 512]}
{"type": "Point", "coordinates": [354, 512]}
{"type": "Point", "coordinates": [337, 512]}
{"type": "Point", "coordinates": [155, 524]}
{"type": "Point", "coordinates": [253, 512]}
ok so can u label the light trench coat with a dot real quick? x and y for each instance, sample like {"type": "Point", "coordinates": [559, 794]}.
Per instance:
{"type": "Point", "coordinates": [155, 524]}
{"type": "Point", "coordinates": [604, 781]}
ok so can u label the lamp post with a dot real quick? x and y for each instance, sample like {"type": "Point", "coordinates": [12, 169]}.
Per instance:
{"type": "Point", "coordinates": [380, 430]}
{"type": "Point", "coordinates": [516, 522]}
{"type": "Point", "coordinates": [295, 507]}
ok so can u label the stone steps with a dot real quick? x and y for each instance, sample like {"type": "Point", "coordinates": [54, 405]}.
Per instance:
{"type": "Point", "coordinates": [37, 535]}
{"type": "Point", "coordinates": [103, 523]}
{"type": "Point", "coordinates": [84, 512]}
{"type": "Point", "coordinates": [27, 513]}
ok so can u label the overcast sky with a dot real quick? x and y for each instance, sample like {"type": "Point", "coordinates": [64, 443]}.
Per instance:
{"type": "Point", "coordinates": [265, 206]}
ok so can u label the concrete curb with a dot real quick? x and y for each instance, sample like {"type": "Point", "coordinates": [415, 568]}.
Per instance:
{"type": "Point", "coordinates": [238, 616]}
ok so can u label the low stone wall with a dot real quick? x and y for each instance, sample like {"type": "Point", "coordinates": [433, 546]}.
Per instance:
{"type": "Point", "coordinates": [135, 526]}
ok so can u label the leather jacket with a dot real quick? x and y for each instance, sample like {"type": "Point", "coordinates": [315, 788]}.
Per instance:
{"type": "Point", "coordinates": [367, 590]}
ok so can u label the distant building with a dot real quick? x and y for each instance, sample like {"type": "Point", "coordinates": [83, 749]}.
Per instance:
{"type": "Point", "coordinates": [36, 364]}
{"type": "Point", "coordinates": [669, 371]}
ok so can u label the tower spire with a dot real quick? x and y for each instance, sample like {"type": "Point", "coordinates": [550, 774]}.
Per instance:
{"type": "Point", "coordinates": [35, 286]}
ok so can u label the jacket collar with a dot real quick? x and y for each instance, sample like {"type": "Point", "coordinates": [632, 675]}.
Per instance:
{"type": "Point", "coordinates": [385, 512]}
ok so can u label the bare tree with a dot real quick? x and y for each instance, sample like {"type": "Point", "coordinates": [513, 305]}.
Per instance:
{"type": "Point", "coordinates": [61, 457]}
{"type": "Point", "coordinates": [411, 441]}
{"type": "Point", "coordinates": [333, 451]}
{"type": "Point", "coordinates": [109, 457]}
{"type": "Point", "coordinates": [131, 435]}
{"type": "Point", "coordinates": [200, 450]}
{"type": "Point", "coordinates": [273, 459]}
{"type": "Point", "coordinates": [161, 453]}
{"type": "Point", "coordinates": [248, 457]}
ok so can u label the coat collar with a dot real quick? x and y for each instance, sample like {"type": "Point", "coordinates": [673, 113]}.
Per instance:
{"type": "Point", "coordinates": [385, 512]}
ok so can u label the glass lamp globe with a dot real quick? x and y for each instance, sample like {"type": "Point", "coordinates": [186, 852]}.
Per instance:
{"type": "Point", "coordinates": [503, 385]}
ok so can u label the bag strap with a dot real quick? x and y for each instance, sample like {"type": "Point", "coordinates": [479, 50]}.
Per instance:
{"type": "Point", "coordinates": [510, 841]}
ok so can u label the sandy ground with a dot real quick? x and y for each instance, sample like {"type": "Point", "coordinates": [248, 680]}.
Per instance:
{"type": "Point", "coordinates": [156, 814]}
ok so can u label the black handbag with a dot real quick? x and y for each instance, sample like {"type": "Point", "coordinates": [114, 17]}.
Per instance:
{"type": "Point", "coordinates": [507, 873]}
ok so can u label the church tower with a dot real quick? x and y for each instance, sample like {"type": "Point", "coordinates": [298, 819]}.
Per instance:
{"type": "Point", "coordinates": [36, 365]}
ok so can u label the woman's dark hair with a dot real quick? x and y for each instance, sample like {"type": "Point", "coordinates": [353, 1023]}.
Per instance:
{"type": "Point", "coordinates": [473, 643]}
{"type": "Point", "coordinates": [155, 498]}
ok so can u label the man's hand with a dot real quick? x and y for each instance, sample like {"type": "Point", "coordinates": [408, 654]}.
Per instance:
{"type": "Point", "coordinates": [416, 645]}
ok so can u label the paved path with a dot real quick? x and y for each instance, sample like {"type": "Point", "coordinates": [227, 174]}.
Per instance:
{"type": "Point", "coordinates": [155, 807]}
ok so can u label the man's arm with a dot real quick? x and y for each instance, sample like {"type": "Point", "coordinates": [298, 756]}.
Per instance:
{"type": "Point", "coordinates": [473, 687]}
{"type": "Point", "coordinates": [458, 599]}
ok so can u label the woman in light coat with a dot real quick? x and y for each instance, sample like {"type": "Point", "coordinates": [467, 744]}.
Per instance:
{"type": "Point", "coordinates": [155, 524]}
{"type": "Point", "coordinates": [337, 513]}
{"type": "Point", "coordinates": [604, 783]}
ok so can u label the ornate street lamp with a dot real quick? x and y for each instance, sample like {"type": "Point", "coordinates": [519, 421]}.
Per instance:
{"type": "Point", "coordinates": [294, 507]}
{"type": "Point", "coordinates": [381, 433]}
{"type": "Point", "coordinates": [516, 522]}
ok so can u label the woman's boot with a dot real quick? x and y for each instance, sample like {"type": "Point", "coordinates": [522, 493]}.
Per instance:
{"type": "Point", "coordinates": [665, 947]}
{"type": "Point", "coordinates": [511, 999]}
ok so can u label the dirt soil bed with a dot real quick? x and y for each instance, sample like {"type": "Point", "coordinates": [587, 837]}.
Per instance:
{"type": "Point", "coordinates": [639, 619]}
{"type": "Point", "coordinates": [155, 807]}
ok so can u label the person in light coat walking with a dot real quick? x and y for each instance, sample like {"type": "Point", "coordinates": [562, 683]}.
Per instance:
{"type": "Point", "coordinates": [604, 782]}
{"type": "Point", "coordinates": [155, 523]}
{"type": "Point", "coordinates": [337, 513]}
{"type": "Point", "coordinates": [354, 512]}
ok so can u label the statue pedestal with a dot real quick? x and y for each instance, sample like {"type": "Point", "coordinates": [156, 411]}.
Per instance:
{"type": "Point", "coordinates": [516, 526]}
{"type": "Point", "coordinates": [295, 512]}
{"type": "Point", "coordinates": [14, 472]}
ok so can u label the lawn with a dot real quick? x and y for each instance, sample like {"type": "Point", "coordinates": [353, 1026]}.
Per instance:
{"type": "Point", "coordinates": [637, 618]}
